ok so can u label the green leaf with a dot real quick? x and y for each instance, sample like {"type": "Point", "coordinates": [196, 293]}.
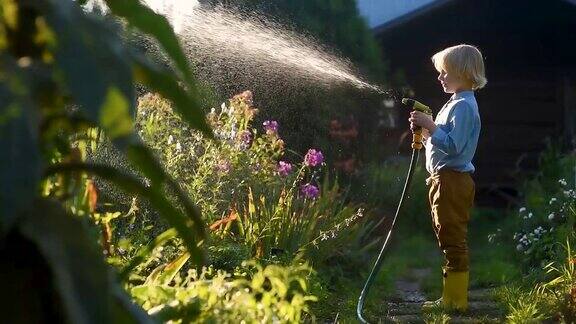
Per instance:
{"type": "Point", "coordinates": [145, 161]}
{"type": "Point", "coordinates": [152, 278]}
{"type": "Point", "coordinates": [145, 251]}
{"type": "Point", "coordinates": [90, 57]}
{"type": "Point", "coordinates": [20, 165]}
{"type": "Point", "coordinates": [132, 185]}
{"type": "Point", "coordinates": [115, 115]}
{"type": "Point", "coordinates": [155, 25]}
{"type": "Point", "coordinates": [187, 312]}
{"type": "Point", "coordinates": [172, 268]}
{"type": "Point", "coordinates": [126, 311]}
{"type": "Point", "coordinates": [148, 295]}
{"type": "Point", "coordinates": [80, 274]}
{"type": "Point", "coordinates": [159, 79]}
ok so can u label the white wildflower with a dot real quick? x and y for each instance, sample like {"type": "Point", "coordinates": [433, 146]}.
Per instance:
{"type": "Point", "coordinates": [529, 215]}
{"type": "Point", "coordinates": [552, 200]}
{"type": "Point", "coordinates": [551, 216]}
{"type": "Point", "coordinates": [519, 247]}
{"type": "Point", "coordinates": [178, 146]}
{"type": "Point", "coordinates": [522, 209]}
{"type": "Point", "coordinates": [563, 182]}
{"type": "Point", "coordinates": [170, 139]}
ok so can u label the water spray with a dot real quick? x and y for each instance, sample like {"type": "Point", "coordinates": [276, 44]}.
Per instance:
{"type": "Point", "coordinates": [416, 147]}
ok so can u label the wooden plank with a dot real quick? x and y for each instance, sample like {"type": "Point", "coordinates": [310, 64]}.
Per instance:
{"type": "Point", "coordinates": [519, 135]}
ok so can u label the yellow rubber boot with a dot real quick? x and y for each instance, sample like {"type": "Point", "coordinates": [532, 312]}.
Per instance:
{"type": "Point", "coordinates": [455, 292]}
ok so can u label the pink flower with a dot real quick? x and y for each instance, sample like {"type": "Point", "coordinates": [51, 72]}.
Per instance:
{"type": "Point", "coordinates": [284, 168]}
{"type": "Point", "coordinates": [309, 191]}
{"type": "Point", "coordinates": [313, 158]}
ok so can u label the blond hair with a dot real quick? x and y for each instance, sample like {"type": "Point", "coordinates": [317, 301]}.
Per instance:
{"type": "Point", "coordinates": [465, 61]}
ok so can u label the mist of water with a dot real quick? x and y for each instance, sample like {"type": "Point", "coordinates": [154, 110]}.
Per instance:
{"type": "Point", "coordinates": [221, 39]}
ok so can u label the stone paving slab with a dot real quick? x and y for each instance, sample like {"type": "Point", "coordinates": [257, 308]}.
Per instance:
{"type": "Point", "coordinates": [404, 319]}
{"type": "Point", "coordinates": [405, 306]}
{"type": "Point", "coordinates": [474, 320]}
{"type": "Point", "coordinates": [453, 319]}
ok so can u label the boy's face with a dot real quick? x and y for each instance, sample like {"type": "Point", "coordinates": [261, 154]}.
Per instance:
{"type": "Point", "coordinates": [450, 83]}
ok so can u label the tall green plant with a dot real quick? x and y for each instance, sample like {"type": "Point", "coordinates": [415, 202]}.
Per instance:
{"type": "Point", "coordinates": [562, 286]}
{"type": "Point", "coordinates": [63, 71]}
{"type": "Point", "coordinates": [286, 223]}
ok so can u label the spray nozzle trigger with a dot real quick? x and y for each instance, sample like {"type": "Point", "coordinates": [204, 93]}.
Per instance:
{"type": "Point", "coordinates": [416, 105]}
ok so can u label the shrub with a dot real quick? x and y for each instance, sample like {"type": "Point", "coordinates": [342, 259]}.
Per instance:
{"type": "Point", "coordinates": [549, 213]}
{"type": "Point", "coordinates": [273, 206]}
{"type": "Point", "coordinates": [257, 295]}
{"type": "Point", "coordinates": [214, 173]}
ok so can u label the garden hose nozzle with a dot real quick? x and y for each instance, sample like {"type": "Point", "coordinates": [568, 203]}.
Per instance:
{"type": "Point", "coordinates": [417, 133]}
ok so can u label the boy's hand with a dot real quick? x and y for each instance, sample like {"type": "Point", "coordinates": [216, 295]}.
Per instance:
{"type": "Point", "coordinates": [425, 133]}
{"type": "Point", "coordinates": [418, 118]}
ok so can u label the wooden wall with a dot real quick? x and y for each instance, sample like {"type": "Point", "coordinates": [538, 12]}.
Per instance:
{"type": "Point", "coordinates": [530, 52]}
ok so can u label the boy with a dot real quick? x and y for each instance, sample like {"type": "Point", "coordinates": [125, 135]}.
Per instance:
{"type": "Point", "coordinates": [450, 143]}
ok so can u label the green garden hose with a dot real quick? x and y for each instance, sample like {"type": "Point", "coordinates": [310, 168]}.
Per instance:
{"type": "Point", "coordinates": [416, 146]}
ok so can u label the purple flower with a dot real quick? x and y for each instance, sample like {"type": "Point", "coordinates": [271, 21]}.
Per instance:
{"type": "Point", "coordinates": [309, 191]}
{"type": "Point", "coordinates": [245, 138]}
{"type": "Point", "coordinates": [271, 126]}
{"type": "Point", "coordinates": [313, 158]}
{"type": "Point", "coordinates": [284, 168]}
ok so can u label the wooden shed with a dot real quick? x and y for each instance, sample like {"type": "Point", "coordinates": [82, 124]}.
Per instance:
{"type": "Point", "coordinates": [530, 54]}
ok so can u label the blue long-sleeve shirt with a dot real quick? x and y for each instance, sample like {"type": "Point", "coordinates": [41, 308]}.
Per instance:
{"type": "Point", "coordinates": [453, 143]}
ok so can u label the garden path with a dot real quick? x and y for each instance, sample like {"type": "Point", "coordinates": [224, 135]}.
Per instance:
{"type": "Point", "coordinates": [406, 303]}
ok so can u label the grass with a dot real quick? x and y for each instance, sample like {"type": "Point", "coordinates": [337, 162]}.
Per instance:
{"type": "Point", "coordinates": [492, 264]}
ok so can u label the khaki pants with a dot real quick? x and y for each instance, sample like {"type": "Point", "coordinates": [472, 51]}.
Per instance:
{"type": "Point", "coordinates": [451, 197]}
